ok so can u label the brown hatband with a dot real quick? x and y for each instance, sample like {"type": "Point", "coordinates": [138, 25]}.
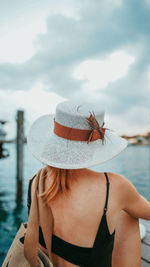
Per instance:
{"type": "Point", "coordinates": [74, 134]}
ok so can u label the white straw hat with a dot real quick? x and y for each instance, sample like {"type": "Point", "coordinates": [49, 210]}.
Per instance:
{"type": "Point", "coordinates": [57, 148]}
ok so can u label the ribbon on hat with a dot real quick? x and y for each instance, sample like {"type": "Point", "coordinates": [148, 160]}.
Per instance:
{"type": "Point", "coordinates": [96, 132]}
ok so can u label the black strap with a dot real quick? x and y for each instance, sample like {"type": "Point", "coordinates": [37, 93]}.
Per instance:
{"type": "Point", "coordinates": [107, 193]}
{"type": "Point", "coordinates": [29, 193]}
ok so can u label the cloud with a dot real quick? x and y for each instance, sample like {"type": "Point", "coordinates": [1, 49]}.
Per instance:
{"type": "Point", "coordinates": [97, 74]}
{"type": "Point", "coordinates": [35, 102]}
{"type": "Point", "coordinates": [92, 32]}
{"type": "Point", "coordinates": [135, 120]}
{"type": "Point", "coordinates": [66, 43]}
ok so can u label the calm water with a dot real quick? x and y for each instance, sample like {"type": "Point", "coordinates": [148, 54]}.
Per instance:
{"type": "Point", "coordinates": [134, 163]}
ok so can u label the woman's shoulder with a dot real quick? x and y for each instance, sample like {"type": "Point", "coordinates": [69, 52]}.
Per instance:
{"type": "Point", "coordinates": [112, 176]}
{"type": "Point", "coordinates": [119, 179]}
{"type": "Point", "coordinates": [122, 185]}
{"type": "Point", "coordinates": [99, 176]}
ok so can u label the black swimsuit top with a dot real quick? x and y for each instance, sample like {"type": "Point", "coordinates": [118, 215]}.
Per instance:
{"type": "Point", "coordinates": [100, 255]}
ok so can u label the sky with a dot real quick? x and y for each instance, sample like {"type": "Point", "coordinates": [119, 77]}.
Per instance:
{"type": "Point", "coordinates": [52, 51]}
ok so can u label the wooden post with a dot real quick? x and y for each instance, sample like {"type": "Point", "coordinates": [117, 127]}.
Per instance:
{"type": "Point", "coordinates": [19, 144]}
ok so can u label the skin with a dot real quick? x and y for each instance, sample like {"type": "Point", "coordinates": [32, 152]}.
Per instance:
{"type": "Point", "coordinates": [127, 245]}
{"type": "Point", "coordinates": [74, 210]}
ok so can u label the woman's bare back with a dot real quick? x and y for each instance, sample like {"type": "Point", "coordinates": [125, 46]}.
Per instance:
{"type": "Point", "coordinates": [77, 214]}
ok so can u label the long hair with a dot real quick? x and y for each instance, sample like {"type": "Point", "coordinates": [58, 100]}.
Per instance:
{"type": "Point", "coordinates": [59, 183]}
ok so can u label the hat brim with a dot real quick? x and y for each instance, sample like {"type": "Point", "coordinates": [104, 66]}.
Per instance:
{"type": "Point", "coordinates": [65, 154]}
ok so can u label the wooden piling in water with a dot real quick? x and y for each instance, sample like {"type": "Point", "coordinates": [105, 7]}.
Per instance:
{"type": "Point", "coordinates": [19, 148]}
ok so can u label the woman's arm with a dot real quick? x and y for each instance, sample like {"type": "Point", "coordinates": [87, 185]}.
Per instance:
{"type": "Point", "coordinates": [132, 202]}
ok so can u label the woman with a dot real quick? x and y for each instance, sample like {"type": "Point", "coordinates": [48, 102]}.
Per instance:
{"type": "Point", "coordinates": [95, 215]}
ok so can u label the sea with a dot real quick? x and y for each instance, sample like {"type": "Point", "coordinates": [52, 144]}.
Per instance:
{"type": "Point", "coordinates": [133, 163]}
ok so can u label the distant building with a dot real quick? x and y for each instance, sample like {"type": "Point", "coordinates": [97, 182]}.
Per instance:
{"type": "Point", "coordinates": [139, 139]}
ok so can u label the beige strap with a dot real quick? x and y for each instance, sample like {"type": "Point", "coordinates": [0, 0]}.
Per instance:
{"type": "Point", "coordinates": [40, 214]}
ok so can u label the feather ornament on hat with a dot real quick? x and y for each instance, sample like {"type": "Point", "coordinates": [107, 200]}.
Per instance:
{"type": "Point", "coordinates": [96, 128]}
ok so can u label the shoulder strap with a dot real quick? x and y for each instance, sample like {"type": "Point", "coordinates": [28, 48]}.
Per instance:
{"type": "Point", "coordinates": [29, 192]}
{"type": "Point", "coordinates": [107, 192]}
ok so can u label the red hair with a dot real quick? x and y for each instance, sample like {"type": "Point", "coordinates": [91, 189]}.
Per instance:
{"type": "Point", "coordinates": [59, 182]}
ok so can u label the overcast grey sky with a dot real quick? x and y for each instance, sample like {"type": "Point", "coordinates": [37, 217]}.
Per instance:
{"type": "Point", "coordinates": [56, 50]}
